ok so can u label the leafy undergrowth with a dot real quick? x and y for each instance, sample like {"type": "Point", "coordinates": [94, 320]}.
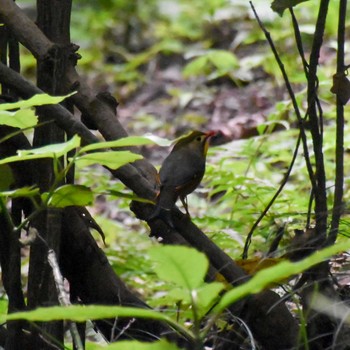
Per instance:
{"type": "Point", "coordinates": [174, 67]}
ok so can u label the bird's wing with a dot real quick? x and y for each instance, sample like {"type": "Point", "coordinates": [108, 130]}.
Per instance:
{"type": "Point", "coordinates": [179, 169]}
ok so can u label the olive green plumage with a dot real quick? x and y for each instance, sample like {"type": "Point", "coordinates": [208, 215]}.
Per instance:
{"type": "Point", "coordinates": [181, 172]}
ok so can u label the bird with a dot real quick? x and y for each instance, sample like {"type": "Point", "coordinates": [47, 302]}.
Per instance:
{"type": "Point", "coordinates": [181, 173]}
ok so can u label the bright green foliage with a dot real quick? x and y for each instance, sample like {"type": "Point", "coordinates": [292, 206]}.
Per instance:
{"type": "Point", "coordinates": [80, 313]}
{"type": "Point", "coordinates": [68, 195]}
{"type": "Point", "coordinates": [112, 159]}
{"type": "Point", "coordinates": [25, 117]}
{"type": "Point", "coordinates": [134, 345]}
{"type": "Point", "coordinates": [174, 271]}
{"type": "Point", "coordinates": [177, 264]}
{"type": "Point", "coordinates": [213, 64]}
{"type": "Point", "coordinates": [186, 268]}
{"type": "Point", "coordinates": [50, 151]}
{"type": "Point", "coordinates": [36, 100]}
{"type": "Point", "coordinates": [124, 142]}
{"type": "Point", "coordinates": [278, 273]}
{"type": "Point", "coordinates": [3, 306]}
{"type": "Point", "coordinates": [21, 192]}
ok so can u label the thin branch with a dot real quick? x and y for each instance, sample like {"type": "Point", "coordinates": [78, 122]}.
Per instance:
{"type": "Point", "coordinates": [279, 190]}
{"type": "Point", "coordinates": [128, 174]}
{"type": "Point", "coordinates": [24, 29]}
{"type": "Point", "coordinates": [299, 42]}
{"type": "Point", "coordinates": [339, 151]}
{"type": "Point", "coordinates": [316, 128]}
{"type": "Point", "coordinates": [292, 97]}
{"type": "Point", "coordinates": [300, 48]}
{"type": "Point", "coordinates": [302, 136]}
{"type": "Point", "coordinates": [63, 296]}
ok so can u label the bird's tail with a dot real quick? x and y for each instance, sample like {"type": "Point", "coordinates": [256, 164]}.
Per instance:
{"type": "Point", "coordinates": [165, 204]}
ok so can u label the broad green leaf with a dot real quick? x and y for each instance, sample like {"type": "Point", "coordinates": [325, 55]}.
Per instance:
{"type": "Point", "coordinates": [197, 66]}
{"type": "Point", "coordinates": [183, 266]}
{"type": "Point", "coordinates": [20, 158]}
{"type": "Point", "coordinates": [207, 295]}
{"type": "Point", "coordinates": [124, 142]}
{"type": "Point", "coordinates": [21, 192]}
{"type": "Point", "coordinates": [55, 150]}
{"type": "Point", "coordinates": [277, 273]}
{"type": "Point", "coordinates": [3, 306]}
{"type": "Point", "coordinates": [51, 151]}
{"type": "Point", "coordinates": [280, 5]}
{"type": "Point", "coordinates": [134, 345]}
{"type": "Point", "coordinates": [36, 100]}
{"type": "Point", "coordinates": [22, 118]}
{"type": "Point", "coordinates": [68, 195]}
{"type": "Point", "coordinates": [224, 61]}
{"type": "Point", "coordinates": [81, 313]}
{"type": "Point", "coordinates": [203, 297]}
{"type": "Point", "coordinates": [112, 159]}
{"type": "Point", "coordinates": [129, 141]}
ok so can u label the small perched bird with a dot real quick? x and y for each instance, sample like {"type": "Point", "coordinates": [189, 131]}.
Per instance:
{"type": "Point", "coordinates": [181, 173]}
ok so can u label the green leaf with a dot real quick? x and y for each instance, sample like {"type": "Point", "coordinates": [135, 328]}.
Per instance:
{"type": "Point", "coordinates": [68, 195]}
{"type": "Point", "coordinates": [50, 151]}
{"type": "Point", "coordinates": [135, 345]}
{"type": "Point", "coordinates": [21, 192]}
{"type": "Point", "coordinates": [207, 295]}
{"type": "Point", "coordinates": [181, 265]}
{"type": "Point", "coordinates": [224, 61]}
{"type": "Point", "coordinates": [203, 297]}
{"type": "Point", "coordinates": [36, 100]}
{"type": "Point", "coordinates": [81, 313]}
{"type": "Point", "coordinates": [129, 141]}
{"type": "Point", "coordinates": [112, 159]}
{"type": "Point", "coordinates": [124, 142]}
{"type": "Point", "coordinates": [277, 273]}
{"type": "Point", "coordinates": [57, 149]}
{"type": "Point", "coordinates": [19, 119]}
{"type": "Point", "coordinates": [3, 306]}
{"type": "Point", "coordinates": [280, 5]}
{"type": "Point", "coordinates": [196, 67]}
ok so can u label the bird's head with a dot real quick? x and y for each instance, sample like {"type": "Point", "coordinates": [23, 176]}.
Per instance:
{"type": "Point", "coordinates": [196, 140]}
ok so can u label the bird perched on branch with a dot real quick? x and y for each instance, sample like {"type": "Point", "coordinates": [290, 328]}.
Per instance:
{"type": "Point", "coordinates": [181, 173]}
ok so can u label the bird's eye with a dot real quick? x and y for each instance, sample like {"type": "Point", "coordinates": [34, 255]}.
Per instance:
{"type": "Point", "coordinates": [199, 138]}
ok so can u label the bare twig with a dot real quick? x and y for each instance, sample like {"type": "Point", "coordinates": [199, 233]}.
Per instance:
{"type": "Point", "coordinates": [277, 193]}
{"type": "Point", "coordinates": [302, 136]}
{"type": "Point", "coordinates": [316, 129]}
{"type": "Point", "coordinates": [24, 29]}
{"type": "Point", "coordinates": [339, 152]}
{"type": "Point", "coordinates": [63, 296]}
{"type": "Point", "coordinates": [299, 43]}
